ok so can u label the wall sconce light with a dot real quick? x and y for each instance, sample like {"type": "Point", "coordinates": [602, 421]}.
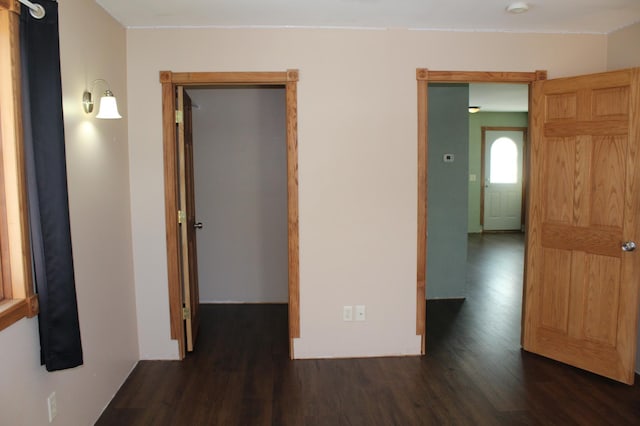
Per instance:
{"type": "Point", "coordinates": [108, 106]}
{"type": "Point", "coordinates": [473, 109]}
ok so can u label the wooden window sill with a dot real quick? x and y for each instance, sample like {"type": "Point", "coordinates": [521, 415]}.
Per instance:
{"type": "Point", "coordinates": [13, 310]}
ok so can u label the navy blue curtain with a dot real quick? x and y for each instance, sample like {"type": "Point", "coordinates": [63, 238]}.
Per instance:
{"type": "Point", "coordinates": [60, 345]}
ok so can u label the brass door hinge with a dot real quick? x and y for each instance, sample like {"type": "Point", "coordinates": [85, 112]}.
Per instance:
{"type": "Point", "coordinates": [179, 116]}
{"type": "Point", "coordinates": [186, 313]}
{"type": "Point", "coordinates": [182, 216]}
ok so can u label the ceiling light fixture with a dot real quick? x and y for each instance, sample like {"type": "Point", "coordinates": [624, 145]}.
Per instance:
{"type": "Point", "coordinates": [518, 7]}
{"type": "Point", "coordinates": [474, 108]}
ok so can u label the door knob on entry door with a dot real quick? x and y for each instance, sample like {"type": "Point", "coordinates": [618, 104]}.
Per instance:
{"type": "Point", "coordinates": [198, 225]}
{"type": "Point", "coordinates": [629, 246]}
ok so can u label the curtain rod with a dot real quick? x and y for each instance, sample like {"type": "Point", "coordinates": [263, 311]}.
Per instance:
{"type": "Point", "coordinates": [35, 10]}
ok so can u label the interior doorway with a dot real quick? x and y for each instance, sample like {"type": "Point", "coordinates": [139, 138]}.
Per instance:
{"type": "Point", "coordinates": [580, 291]}
{"type": "Point", "coordinates": [171, 84]}
{"type": "Point", "coordinates": [460, 257]}
{"type": "Point", "coordinates": [424, 77]}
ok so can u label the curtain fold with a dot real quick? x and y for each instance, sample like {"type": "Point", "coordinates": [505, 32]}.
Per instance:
{"type": "Point", "coordinates": [60, 345]}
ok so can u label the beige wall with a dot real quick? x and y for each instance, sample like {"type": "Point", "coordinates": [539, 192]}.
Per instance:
{"type": "Point", "coordinates": [92, 46]}
{"type": "Point", "coordinates": [623, 48]}
{"type": "Point", "coordinates": [357, 162]}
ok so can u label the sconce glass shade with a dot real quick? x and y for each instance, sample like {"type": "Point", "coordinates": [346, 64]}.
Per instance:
{"type": "Point", "coordinates": [473, 109]}
{"type": "Point", "coordinates": [108, 106]}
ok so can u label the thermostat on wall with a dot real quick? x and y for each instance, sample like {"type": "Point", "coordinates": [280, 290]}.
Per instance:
{"type": "Point", "coordinates": [448, 158]}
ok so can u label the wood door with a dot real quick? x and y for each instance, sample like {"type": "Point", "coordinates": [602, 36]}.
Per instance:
{"type": "Point", "coordinates": [188, 225]}
{"type": "Point", "coordinates": [503, 180]}
{"type": "Point", "coordinates": [581, 287]}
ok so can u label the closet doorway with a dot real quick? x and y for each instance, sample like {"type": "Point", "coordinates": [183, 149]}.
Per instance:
{"type": "Point", "coordinates": [176, 208]}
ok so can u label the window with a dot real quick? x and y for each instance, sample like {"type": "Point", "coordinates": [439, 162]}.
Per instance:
{"type": "Point", "coordinates": [17, 299]}
{"type": "Point", "coordinates": [503, 164]}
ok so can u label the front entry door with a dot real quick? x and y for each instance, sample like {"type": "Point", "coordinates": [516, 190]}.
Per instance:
{"type": "Point", "coordinates": [503, 180]}
{"type": "Point", "coordinates": [582, 273]}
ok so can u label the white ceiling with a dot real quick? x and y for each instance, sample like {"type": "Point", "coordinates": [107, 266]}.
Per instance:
{"type": "Point", "coordinates": [557, 16]}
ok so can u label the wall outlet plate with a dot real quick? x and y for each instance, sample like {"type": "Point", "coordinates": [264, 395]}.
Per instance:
{"type": "Point", "coordinates": [347, 313]}
{"type": "Point", "coordinates": [52, 405]}
{"type": "Point", "coordinates": [360, 313]}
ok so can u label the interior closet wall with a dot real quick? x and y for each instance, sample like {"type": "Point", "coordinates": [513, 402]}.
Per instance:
{"type": "Point", "coordinates": [241, 193]}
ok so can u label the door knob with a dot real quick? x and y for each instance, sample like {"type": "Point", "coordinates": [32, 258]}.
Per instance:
{"type": "Point", "coordinates": [198, 225]}
{"type": "Point", "coordinates": [629, 246]}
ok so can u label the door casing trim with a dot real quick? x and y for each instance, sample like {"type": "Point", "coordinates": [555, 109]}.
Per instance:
{"type": "Point", "coordinates": [169, 81]}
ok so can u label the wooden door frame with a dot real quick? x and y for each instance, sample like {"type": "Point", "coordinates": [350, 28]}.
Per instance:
{"type": "Point", "coordinates": [425, 76]}
{"type": "Point", "coordinates": [483, 142]}
{"type": "Point", "coordinates": [170, 80]}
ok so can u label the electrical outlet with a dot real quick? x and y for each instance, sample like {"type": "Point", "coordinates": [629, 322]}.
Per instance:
{"type": "Point", "coordinates": [53, 406]}
{"type": "Point", "coordinates": [360, 313]}
{"type": "Point", "coordinates": [347, 313]}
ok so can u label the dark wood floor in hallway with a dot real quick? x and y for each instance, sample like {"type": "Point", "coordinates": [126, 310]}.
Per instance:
{"type": "Point", "coordinates": [474, 372]}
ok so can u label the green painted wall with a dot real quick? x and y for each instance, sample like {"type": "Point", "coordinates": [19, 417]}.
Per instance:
{"type": "Point", "coordinates": [476, 122]}
{"type": "Point", "coordinates": [447, 191]}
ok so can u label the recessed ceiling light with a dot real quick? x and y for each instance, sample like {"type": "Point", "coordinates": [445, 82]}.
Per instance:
{"type": "Point", "coordinates": [518, 7]}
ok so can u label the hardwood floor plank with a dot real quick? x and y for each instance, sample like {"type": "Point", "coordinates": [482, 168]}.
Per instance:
{"type": "Point", "coordinates": [474, 372]}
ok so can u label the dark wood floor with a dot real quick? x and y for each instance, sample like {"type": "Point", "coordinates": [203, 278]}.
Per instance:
{"type": "Point", "coordinates": [474, 373]}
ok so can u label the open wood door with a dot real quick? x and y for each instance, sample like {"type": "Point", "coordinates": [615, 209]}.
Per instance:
{"type": "Point", "coordinates": [188, 224]}
{"type": "Point", "coordinates": [582, 273]}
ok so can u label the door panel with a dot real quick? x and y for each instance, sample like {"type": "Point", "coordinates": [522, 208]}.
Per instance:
{"type": "Point", "coordinates": [189, 265]}
{"type": "Point", "coordinates": [601, 301]}
{"type": "Point", "coordinates": [581, 288]}
{"type": "Point", "coordinates": [607, 185]}
{"type": "Point", "coordinates": [555, 289]}
{"type": "Point", "coordinates": [559, 183]}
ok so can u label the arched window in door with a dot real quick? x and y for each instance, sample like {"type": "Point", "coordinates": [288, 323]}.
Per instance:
{"type": "Point", "coordinates": [504, 161]}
